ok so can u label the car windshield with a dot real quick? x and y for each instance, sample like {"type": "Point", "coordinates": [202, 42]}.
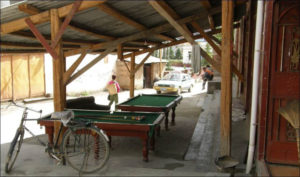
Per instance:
{"type": "Point", "coordinates": [172, 77]}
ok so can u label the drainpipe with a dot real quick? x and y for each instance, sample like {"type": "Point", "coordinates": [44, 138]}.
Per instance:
{"type": "Point", "coordinates": [257, 54]}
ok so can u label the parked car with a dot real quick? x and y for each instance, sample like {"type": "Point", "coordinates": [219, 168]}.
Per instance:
{"type": "Point", "coordinates": [174, 82]}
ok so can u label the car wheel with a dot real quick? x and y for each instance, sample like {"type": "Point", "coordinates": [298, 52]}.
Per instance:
{"type": "Point", "coordinates": [158, 92]}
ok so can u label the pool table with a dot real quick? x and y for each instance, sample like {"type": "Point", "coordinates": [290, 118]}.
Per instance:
{"type": "Point", "coordinates": [116, 124]}
{"type": "Point", "coordinates": [153, 103]}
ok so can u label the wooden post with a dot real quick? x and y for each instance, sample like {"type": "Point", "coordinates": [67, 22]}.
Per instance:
{"type": "Point", "coordinates": [160, 64]}
{"type": "Point", "coordinates": [59, 89]}
{"type": "Point", "coordinates": [132, 74]}
{"type": "Point", "coordinates": [226, 83]}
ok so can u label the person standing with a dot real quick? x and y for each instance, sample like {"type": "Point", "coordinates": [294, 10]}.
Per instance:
{"type": "Point", "coordinates": [113, 88]}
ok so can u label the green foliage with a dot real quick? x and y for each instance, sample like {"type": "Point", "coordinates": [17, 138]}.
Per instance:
{"type": "Point", "coordinates": [171, 53]}
{"type": "Point", "coordinates": [84, 93]}
{"type": "Point", "coordinates": [208, 49]}
{"type": "Point", "coordinates": [178, 54]}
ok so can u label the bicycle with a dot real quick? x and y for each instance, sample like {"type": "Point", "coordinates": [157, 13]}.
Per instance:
{"type": "Point", "coordinates": [78, 142]}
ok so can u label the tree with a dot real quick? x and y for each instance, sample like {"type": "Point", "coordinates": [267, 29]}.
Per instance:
{"type": "Point", "coordinates": [178, 54]}
{"type": "Point", "coordinates": [171, 54]}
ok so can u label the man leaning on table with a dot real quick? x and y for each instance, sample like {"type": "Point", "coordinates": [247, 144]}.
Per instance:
{"type": "Point", "coordinates": [113, 88]}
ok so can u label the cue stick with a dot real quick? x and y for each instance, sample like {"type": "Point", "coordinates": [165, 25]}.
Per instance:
{"type": "Point", "coordinates": [104, 118]}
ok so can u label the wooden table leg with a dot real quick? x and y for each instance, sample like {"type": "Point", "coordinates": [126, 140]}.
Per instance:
{"type": "Point", "coordinates": [173, 115]}
{"type": "Point", "coordinates": [152, 142]}
{"type": "Point", "coordinates": [50, 131]}
{"type": "Point", "coordinates": [157, 129]}
{"type": "Point", "coordinates": [167, 120]}
{"type": "Point", "coordinates": [145, 149]}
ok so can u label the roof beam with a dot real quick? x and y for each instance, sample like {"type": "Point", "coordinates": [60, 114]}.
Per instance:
{"type": "Point", "coordinates": [65, 23]}
{"type": "Point", "coordinates": [143, 34]}
{"type": "Point", "coordinates": [17, 45]}
{"type": "Point", "coordinates": [165, 11]}
{"type": "Point", "coordinates": [42, 17]}
{"type": "Point", "coordinates": [120, 16]}
{"type": "Point", "coordinates": [90, 64]}
{"type": "Point", "coordinates": [206, 4]}
{"type": "Point", "coordinates": [173, 14]}
{"type": "Point", "coordinates": [28, 9]}
{"type": "Point", "coordinates": [30, 36]}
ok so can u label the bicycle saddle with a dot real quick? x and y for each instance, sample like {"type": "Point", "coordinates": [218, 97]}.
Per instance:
{"type": "Point", "coordinates": [64, 116]}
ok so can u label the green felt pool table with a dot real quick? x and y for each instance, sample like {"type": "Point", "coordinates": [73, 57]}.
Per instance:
{"type": "Point", "coordinates": [117, 124]}
{"type": "Point", "coordinates": [153, 103]}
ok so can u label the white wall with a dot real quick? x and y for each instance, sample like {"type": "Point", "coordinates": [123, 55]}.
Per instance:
{"type": "Point", "coordinates": [92, 80]}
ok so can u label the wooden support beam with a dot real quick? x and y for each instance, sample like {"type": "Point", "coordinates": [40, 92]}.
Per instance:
{"type": "Point", "coordinates": [143, 61]}
{"type": "Point", "coordinates": [226, 83]}
{"type": "Point", "coordinates": [132, 74]}
{"type": "Point", "coordinates": [42, 17]}
{"type": "Point", "coordinates": [72, 68]}
{"type": "Point", "coordinates": [120, 52]}
{"type": "Point", "coordinates": [215, 64]}
{"type": "Point", "coordinates": [29, 9]}
{"type": "Point", "coordinates": [159, 29]}
{"type": "Point", "coordinates": [216, 48]}
{"type": "Point", "coordinates": [207, 38]}
{"type": "Point", "coordinates": [215, 39]}
{"type": "Point", "coordinates": [90, 64]}
{"type": "Point", "coordinates": [215, 31]}
{"type": "Point", "coordinates": [41, 38]}
{"type": "Point", "coordinates": [66, 22]}
{"type": "Point", "coordinates": [126, 65]}
{"type": "Point", "coordinates": [59, 88]}
{"type": "Point", "coordinates": [122, 17]}
{"type": "Point", "coordinates": [171, 16]}
{"type": "Point", "coordinates": [206, 4]}
{"type": "Point", "coordinates": [160, 63]}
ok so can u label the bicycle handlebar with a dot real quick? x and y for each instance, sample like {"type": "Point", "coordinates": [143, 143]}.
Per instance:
{"type": "Point", "coordinates": [20, 106]}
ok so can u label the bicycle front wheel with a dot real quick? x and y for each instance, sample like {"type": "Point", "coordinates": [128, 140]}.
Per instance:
{"type": "Point", "coordinates": [14, 150]}
{"type": "Point", "coordinates": [85, 149]}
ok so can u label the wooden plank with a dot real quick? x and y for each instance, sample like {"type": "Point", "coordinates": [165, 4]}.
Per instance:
{"type": "Point", "coordinates": [226, 83]}
{"type": "Point", "coordinates": [14, 45]}
{"type": "Point", "coordinates": [120, 52]}
{"type": "Point", "coordinates": [72, 68]}
{"type": "Point", "coordinates": [132, 74]}
{"type": "Point", "coordinates": [171, 16]}
{"type": "Point", "coordinates": [29, 9]}
{"type": "Point", "coordinates": [42, 17]}
{"type": "Point", "coordinates": [90, 64]}
{"type": "Point", "coordinates": [66, 23]}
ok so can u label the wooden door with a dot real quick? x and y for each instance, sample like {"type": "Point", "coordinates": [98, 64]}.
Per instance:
{"type": "Point", "coordinates": [284, 81]}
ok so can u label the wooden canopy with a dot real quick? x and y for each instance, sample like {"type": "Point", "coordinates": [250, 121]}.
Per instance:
{"type": "Point", "coordinates": [130, 28]}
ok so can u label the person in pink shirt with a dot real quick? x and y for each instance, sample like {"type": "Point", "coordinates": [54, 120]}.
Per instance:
{"type": "Point", "coordinates": [113, 88]}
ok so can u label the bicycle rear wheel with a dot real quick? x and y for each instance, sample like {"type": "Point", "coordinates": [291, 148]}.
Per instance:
{"type": "Point", "coordinates": [14, 150]}
{"type": "Point", "coordinates": [85, 149]}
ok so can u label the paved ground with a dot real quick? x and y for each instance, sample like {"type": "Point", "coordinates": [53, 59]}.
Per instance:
{"type": "Point", "coordinates": [126, 154]}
